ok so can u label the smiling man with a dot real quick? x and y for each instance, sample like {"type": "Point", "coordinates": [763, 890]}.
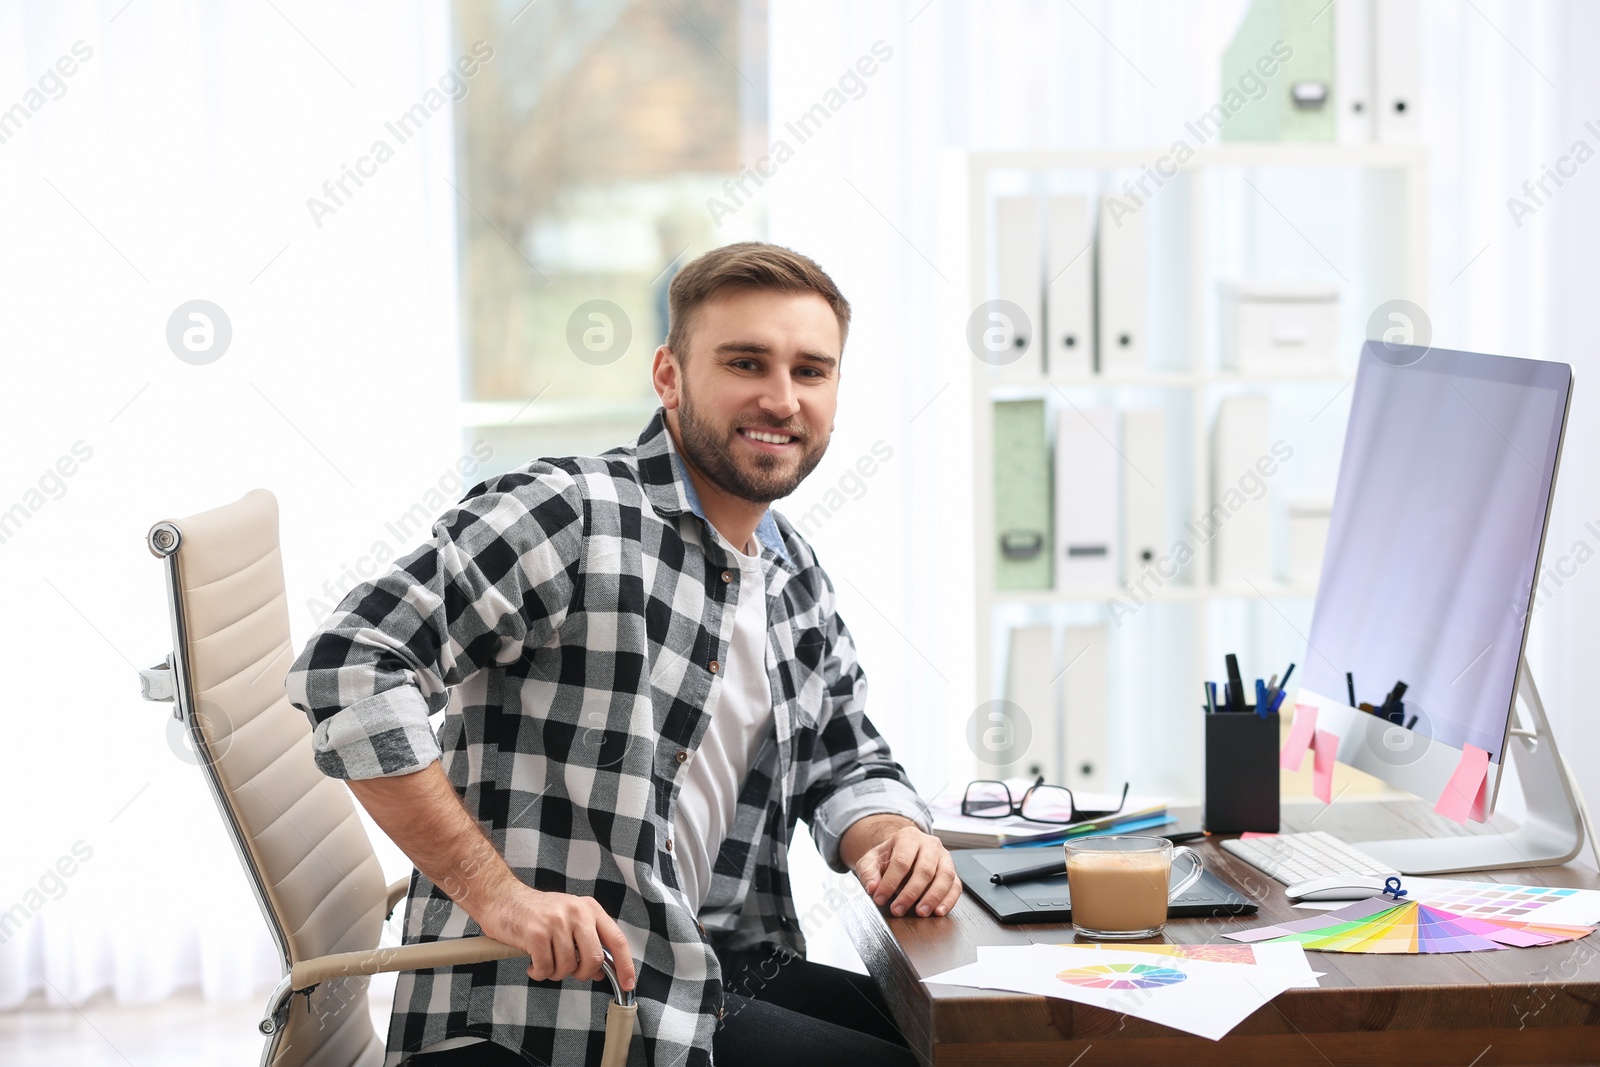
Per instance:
{"type": "Point", "coordinates": [646, 685]}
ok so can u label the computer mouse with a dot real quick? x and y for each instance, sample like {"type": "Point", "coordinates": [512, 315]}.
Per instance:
{"type": "Point", "coordinates": [1337, 887]}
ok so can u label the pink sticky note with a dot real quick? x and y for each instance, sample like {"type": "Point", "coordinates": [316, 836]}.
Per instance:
{"type": "Point", "coordinates": [1466, 793]}
{"type": "Point", "coordinates": [1324, 749]}
{"type": "Point", "coordinates": [1300, 734]}
{"type": "Point", "coordinates": [1248, 834]}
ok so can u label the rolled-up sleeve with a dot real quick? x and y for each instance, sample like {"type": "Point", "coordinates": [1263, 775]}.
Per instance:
{"type": "Point", "coordinates": [496, 576]}
{"type": "Point", "coordinates": [851, 773]}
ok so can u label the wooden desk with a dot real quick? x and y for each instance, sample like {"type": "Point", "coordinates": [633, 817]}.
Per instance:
{"type": "Point", "coordinates": [1522, 1006]}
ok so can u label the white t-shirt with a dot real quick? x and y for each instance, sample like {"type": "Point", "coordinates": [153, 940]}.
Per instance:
{"type": "Point", "coordinates": [741, 718]}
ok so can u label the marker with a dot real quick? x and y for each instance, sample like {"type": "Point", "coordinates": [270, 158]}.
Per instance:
{"type": "Point", "coordinates": [1276, 701]}
{"type": "Point", "coordinates": [1211, 699]}
{"type": "Point", "coordinates": [1261, 699]}
{"type": "Point", "coordinates": [1235, 684]}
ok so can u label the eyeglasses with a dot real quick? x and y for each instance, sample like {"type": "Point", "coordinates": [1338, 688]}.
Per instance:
{"type": "Point", "coordinates": [986, 799]}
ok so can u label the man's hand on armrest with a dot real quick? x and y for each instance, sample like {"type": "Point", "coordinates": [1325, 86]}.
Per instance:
{"type": "Point", "coordinates": [562, 933]}
{"type": "Point", "coordinates": [889, 853]}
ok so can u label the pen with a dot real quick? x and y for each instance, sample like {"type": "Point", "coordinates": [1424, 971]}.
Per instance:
{"type": "Point", "coordinates": [1211, 698]}
{"type": "Point", "coordinates": [1412, 723]}
{"type": "Point", "coordinates": [1057, 867]}
{"type": "Point", "coordinates": [1275, 688]}
{"type": "Point", "coordinates": [1350, 684]}
{"type": "Point", "coordinates": [1261, 699]}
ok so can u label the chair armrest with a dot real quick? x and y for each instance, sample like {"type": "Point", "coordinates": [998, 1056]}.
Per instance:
{"type": "Point", "coordinates": [418, 957]}
{"type": "Point", "coordinates": [397, 893]}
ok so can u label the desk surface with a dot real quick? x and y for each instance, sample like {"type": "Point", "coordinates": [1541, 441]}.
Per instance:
{"type": "Point", "coordinates": [1526, 1005]}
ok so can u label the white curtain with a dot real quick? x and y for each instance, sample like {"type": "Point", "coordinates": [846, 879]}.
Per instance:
{"type": "Point", "coordinates": [174, 163]}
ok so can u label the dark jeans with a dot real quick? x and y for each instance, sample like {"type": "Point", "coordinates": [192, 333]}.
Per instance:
{"type": "Point", "coordinates": [781, 1011]}
{"type": "Point", "coordinates": [784, 1010]}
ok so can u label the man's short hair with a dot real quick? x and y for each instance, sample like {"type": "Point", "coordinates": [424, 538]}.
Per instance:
{"type": "Point", "coordinates": [746, 265]}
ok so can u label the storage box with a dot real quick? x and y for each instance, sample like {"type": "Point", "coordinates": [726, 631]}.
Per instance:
{"type": "Point", "coordinates": [1308, 540]}
{"type": "Point", "coordinates": [1280, 327]}
{"type": "Point", "coordinates": [1241, 784]}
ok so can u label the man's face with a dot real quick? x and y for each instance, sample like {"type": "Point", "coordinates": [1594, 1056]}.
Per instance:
{"type": "Point", "coordinates": [756, 393]}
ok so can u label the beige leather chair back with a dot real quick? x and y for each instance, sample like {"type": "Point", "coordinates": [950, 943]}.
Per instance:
{"type": "Point", "coordinates": [297, 830]}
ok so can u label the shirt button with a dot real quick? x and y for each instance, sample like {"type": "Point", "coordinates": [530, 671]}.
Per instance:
{"type": "Point", "coordinates": [727, 576]}
{"type": "Point", "coordinates": [682, 757]}
{"type": "Point", "coordinates": [669, 844]}
{"type": "Point", "coordinates": [713, 667]}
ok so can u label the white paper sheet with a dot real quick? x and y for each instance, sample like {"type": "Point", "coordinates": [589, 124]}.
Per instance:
{"type": "Point", "coordinates": [1198, 996]}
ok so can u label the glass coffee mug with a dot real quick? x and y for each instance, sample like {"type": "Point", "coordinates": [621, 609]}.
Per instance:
{"type": "Point", "coordinates": [1120, 885]}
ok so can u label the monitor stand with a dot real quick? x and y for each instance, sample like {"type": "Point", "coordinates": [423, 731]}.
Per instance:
{"type": "Point", "coordinates": [1551, 834]}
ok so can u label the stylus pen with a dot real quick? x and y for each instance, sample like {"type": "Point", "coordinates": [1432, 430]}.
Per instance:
{"type": "Point", "coordinates": [1046, 870]}
{"type": "Point", "coordinates": [1276, 691]}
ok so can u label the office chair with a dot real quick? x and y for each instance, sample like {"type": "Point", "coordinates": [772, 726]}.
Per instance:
{"type": "Point", "coordinates": [296, 831]}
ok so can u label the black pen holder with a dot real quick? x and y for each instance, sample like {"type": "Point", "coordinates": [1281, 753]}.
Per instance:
{"type": "Point", "coordinates": [1241, 786]}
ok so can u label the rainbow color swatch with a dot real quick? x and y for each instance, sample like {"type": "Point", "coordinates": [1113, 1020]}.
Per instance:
{"type": "Point", "coordinates": [1122, 976]}
{"type": "Point", "coordinates": [1383, 924]}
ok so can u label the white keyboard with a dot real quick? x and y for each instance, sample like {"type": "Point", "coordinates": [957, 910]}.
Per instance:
{"type": "Point", "coordinates": [1294, 858]}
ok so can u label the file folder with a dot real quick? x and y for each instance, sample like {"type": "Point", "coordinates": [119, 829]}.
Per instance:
{"type": "Point", "coordinates": [1021, 496]}
{"type": "Point", "coordinates": [1069, 276]}
{"type": "Point", "coordinates": [1298, 103]}
{"type": "Point", "coordinates": [1085, 680]}
{"type": "Point", "coordinates": [1030, 669]}
{"type": "Point", "coordinates": [1087, 466]}
{"type": "Point", "coordinates": [1396, 54]}
{"type": "Point", "coordinates": [1144, 490]}
{"type": "Point", "coordinates": [1240, 517]}
{"type": "Point", "coordinates": [1352, 62]}
{"type": "Point", "coordinates": [1120, 273]}
{"type": "Point", "coordinates": [1019, 274]}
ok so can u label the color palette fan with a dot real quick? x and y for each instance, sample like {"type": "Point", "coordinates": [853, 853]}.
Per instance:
{"type": "Point", "coordinates": [1384, 924]}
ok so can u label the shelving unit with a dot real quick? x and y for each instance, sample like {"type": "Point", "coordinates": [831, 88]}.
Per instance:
{"type": "Point", "coordinates": [1216, 214]}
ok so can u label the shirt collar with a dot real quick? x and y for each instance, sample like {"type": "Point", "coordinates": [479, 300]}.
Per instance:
{"type": "Point", "coordinates": [671, 492]}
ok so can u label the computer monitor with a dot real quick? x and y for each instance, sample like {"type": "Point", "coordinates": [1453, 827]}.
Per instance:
{"type": "Point", "coordinates": [1430, 575]}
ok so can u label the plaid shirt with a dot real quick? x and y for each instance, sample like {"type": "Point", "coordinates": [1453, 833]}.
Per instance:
{"type": "Point", "coordinates": [569, 617]}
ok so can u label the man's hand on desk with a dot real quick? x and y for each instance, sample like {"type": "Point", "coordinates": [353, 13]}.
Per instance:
{"type": "Point", "coordinates": [900, 865]}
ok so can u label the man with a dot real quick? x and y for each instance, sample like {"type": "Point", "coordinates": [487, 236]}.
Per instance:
{"type": "Point", "coordinates": [646, 685]}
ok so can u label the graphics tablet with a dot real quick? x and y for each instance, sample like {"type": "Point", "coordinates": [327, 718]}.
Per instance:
{"type": "Point", "coordinates": [1047, 900]}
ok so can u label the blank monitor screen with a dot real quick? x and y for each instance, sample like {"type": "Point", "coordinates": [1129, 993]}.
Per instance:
{"type": "Point", "coordinates": [1438, 519]}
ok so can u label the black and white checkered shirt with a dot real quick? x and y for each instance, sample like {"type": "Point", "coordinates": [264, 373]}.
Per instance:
{"type": "Point", "coordinates": [569, 618]}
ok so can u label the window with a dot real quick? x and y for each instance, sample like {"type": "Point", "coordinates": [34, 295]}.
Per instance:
{"type": "Point", "coordinates": [587, 152]}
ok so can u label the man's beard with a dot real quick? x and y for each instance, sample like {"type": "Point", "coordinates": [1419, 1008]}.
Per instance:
{"type": "Point", "coordinates": [711, 454]}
